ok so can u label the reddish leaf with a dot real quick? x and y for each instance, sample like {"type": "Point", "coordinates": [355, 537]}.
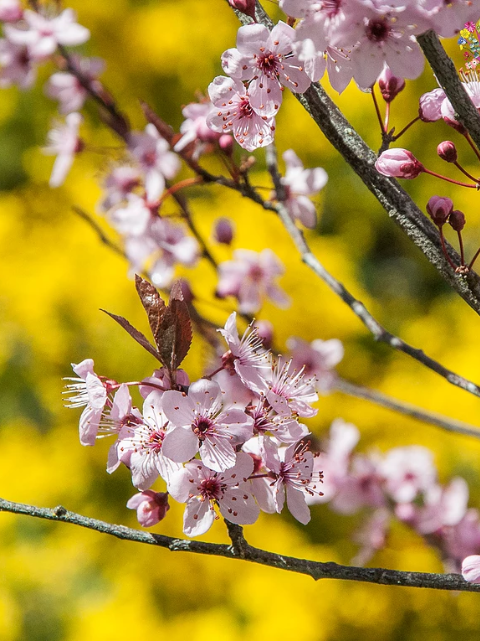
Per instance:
{"type": "Point", "coordinates": [175, 335]}
{"type": "Point", "coordinates": [153, 304]}
{"type": "Point", "coordinates": [134, 333]}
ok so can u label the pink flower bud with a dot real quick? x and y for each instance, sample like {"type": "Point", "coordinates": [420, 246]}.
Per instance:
{"type": "Point", "coordinates": [398, 163]}
{"type": "Point", "coordinates": [151, 507]}
{"type": "Point", "coordinates": [225, 142]}
{"type": "Point", "coordinates": [245, 6]}
{"type": "Point", "coordinates": [447, 151]}
{"type": "Point", "coordinates": [439, 209]}
{"type": "Point", "coordinates": [10, 11]}
{"type": "Point", "coordinates": [457, 220]}
{"type": "Point", "coordinates": [265, 332]}
{"type": "Point", "coordinates": [430, 105]}
{"type": "Point", "coordinates": [471, 569]}
{"type": "Point", "coordinates": [390, 86]}
{"type": "Point", "coordinates": [223, 232]}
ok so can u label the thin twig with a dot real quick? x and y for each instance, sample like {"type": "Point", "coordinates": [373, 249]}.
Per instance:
{"type": "Point", "coordinates": [379, 333]}
{"type": "Point", "coordinates": [99, 231]}
{"type": "Point", "coordinates": [315, 569]}
{"type": "Point", "coordinates": [449, 424]}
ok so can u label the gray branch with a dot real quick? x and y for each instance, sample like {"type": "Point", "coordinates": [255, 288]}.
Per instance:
{"type": "Point", "coordinates": [448, 424]}
{"type": "Point", "coordinates": [315, 569]}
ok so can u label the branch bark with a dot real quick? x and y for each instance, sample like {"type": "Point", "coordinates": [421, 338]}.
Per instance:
{"type": "Point", "coordinates": [315, 569]}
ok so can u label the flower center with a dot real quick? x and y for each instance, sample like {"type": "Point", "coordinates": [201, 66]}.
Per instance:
{"type": "Point", "coordinates": [245, 109]}
{"type": "Point", "coordinates": [202, 426]}
{"type": "Point", "coordinates": [331, 7]}
{"type": "Point", "coordinates": [378, 30]}
{"type": "Point", "coordinates": [155, 441]}
{"type": "Point", "coordinates": [211, 488]}
{"type": "Point", "coordinates": [268, 63]}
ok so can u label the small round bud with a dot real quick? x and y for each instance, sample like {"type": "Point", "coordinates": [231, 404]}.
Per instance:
{"type": "Point", "coordinates": [447, 151]}
{"type": "Point", "coordinates": [439, 209]}
{"type": "Point", "coordinates": [390, 86]}
{"type": "Point", "coordinates": [265, 332]}
{"type": "Point", "coordinates": [223, 231]}
{"type": "Point", "coordinates": [225, 142]}
{"type": "Point", "coordinates": [245, 6]}
{"type": "Point", "coordinates": [457, 220]}
{"type": "Point", "coordinates": [399, 163]}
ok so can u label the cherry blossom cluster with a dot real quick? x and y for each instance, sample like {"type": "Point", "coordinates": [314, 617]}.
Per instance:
{"type": "Point", "coordinates": [400, 484]}
{"type": "Point", "coordinates": [232, 442]}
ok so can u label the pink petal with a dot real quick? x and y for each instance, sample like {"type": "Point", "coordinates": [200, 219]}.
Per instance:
{"type": "Point", "coordinates": [198, 517]}
{"type": "Point", "coordinates": [297, 505]}
{"type": "Point", "coordinates": [180, 445]}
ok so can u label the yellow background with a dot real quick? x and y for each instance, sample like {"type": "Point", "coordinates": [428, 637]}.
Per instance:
{"type": "Point", "coordinates": [58, 582]}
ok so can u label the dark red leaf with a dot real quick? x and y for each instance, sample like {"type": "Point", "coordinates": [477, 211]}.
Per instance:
{"type": "Point", "coordinates": [153, 304]}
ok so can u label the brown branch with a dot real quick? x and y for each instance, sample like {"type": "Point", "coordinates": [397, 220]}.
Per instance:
{"type": "Point", "coordinates": [315, 569]}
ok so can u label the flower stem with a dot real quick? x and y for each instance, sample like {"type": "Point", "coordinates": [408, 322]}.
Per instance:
{"type": "Point", "coordinates": [448, 180]}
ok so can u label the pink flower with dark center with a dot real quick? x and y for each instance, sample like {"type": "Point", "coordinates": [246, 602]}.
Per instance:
{"type": "Point", "coordinates": [408, 471]}
{"type": "Point", "coordinates": [288, 391]}
{"type": "Point", "coordinates": [157, 162]}
{"type": "Point", "coordinates": [195, 129]}
{"type": "Point", "coordinates": [202, 422]}
{"type": "Point", "coordinates": [292, 469]}
{"type": "Point", "coordinates": [399, 163]}
{"type": "Point", "coordinates": [266, 422]}
{"type": "Point", "coordinates": [246, 356]}
{"type": "Point", "coordinates": [65, 143]}
{"type": "Point", "coordinates": [16, 65]}
{"type": "Point", "coordinates": [120, 182]}
{"type": "Point", "coordinates": [266, 59]}
{"type": "Point", "coordinates": [361, 487]}
{"type": "Point", "coordinates": [300, 183]}
{"type": "Point", "coordinates": [250, 277]}
{"type": "Point", "coordinates": [151, 507]}
{"type": "Point", "coordinates": [233, 112]}
{"type": "Point", "coordinates": [203, 490]}
{"type": "Point", "coordinates": [89, 391]}
{"type": "Point", "coordinates": [140, 447]}
{"type": "Point", "coordinates": [42, 35]}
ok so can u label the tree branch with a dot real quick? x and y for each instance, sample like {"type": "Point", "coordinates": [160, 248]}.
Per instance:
{"type": "Point", "coordinates": [448, 424]}
{"type": "Point", "coordinates": [315, 569]}
{"type": "Point", "coordinates": [447, 77]}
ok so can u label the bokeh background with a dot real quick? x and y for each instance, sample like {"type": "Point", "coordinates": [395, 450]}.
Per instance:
{"type": "Point", "coordinates": [60, 583]}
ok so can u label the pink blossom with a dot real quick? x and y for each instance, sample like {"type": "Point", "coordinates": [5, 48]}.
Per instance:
{"type": "Point", "coordinates": [439, 209]}
{"type": "Point", "coordinates": [67, 89]}
{"type": "Point", "coordinates": [318, 359]}
{"type": "Point", "coordinates": [131, 218]}
{"type": "Point", "coordinates": [202, 422]}
{"type": "Point", "coordinates": [265, 59]}
{"type": "Point", "coordinates": [233, 112]}
{"type": "Point", "coordinates": [65, 143]}
{"type": "Point", "coordinates": [89, 391]}
{"type": "Point", "coordinates": [10, 11]}
{"type": "Point", "coordinates": [462, 539]}
{"type": "Point", "coordinates": [195, 129]}
{"type": "Point", "coordinates": [160, 381]}
{"type": "Point", "coordinates": [471, 569]}
{"type": "Point", "coordinates": [430, 108]}
{"type": "Point", "coordinates": [203, 490]}
{"type": "Point", "coordinates": [16, 65]}
{"type": "Point", "coordinates": [42, 35]}
{"type": "Point", "coordinates": [151, 507]}
{"type": "Point", "coordinates": [156, 161]}
{"type": "Point", "coordinates": [447, 18]}
{"type": "Point", "coordinates": [250, 277]}
{"type": "Point", "coordinates": [293, 473]}
{"type": "Point", "coordinates": [288, 391]}
{"type": "Point", "coordinates": [141, 447]}
{"type": "Point", "coordinates": [299, 184]}
{"type": "Point", "coordinates": [408, 471]}
{"type": "Point", "coordinates": [120, 182]}
{"type": "Point", "coordinates": [246, 356]}
{"type": "Point", "coordinates": [398, 163]}
{"type": "Point", "coordinates": [285, 429]}
{"type": "Point", "coordinates": [443, 506]}
{"type": "Point", "coordinates": [361, 486]}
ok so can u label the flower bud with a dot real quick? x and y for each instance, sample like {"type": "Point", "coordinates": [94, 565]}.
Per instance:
{"type": "Point", "coordinates": [225, 142]}
{"type": "Point", "coordinates": [430, 105]}
{"type": "Point", "coordinates": [390, 86]}
{"type": "Point", "coordinates": [223, 231]}
{"type": "Point", "coordinates": [447, 151]}
{"type": "Point", "coordinates": [245, 6]}
{"type": "Point", "coordinates": [471, 569]}
{"type": "Point", "coordinates": [439, 209]}
{"type": "Point", "coordinates": [151, 507]}
{"type": "Point", "coordinates": [457, 220]}
{"type": "Point", "coordinates": [398, 163]}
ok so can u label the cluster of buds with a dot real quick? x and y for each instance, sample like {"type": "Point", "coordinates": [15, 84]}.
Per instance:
{"type": "Point", "coordinates": [441, 211]}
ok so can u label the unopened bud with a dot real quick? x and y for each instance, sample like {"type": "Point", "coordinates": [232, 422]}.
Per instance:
{"type": "Point", "coordinates": [225, 142]}
{"type": "Point", "coordinates": [447, 151]}
{"type": "Point", "coordinates": [457, 220]}
{"type": "Point", "coordinates": [390, 86]}
{"type": "Point", "coordinates": [430, 107]}
{"type": "Point", "coordinates": [265, 332]}
{"type": "Point", "coordinates": [223, 232]}
{"type": "Point", "coordinates": [245, 6]}
{"type": "Point", "coordinates": [439, 209]}
{"type": "Point", "coordinates": [399, 163]}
